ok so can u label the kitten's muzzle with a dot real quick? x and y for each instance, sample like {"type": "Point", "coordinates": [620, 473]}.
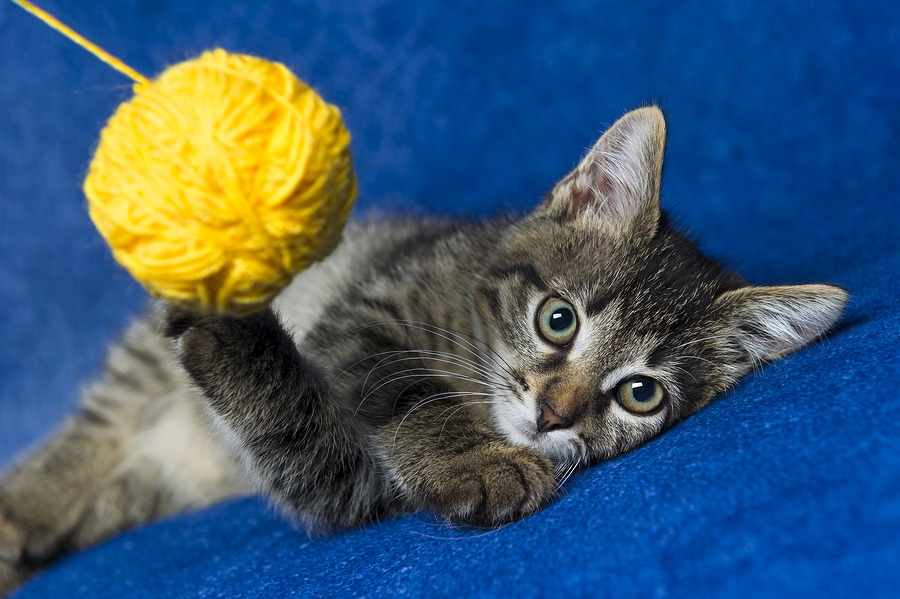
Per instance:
{"type": "Point", "coordinates": [550, 418]}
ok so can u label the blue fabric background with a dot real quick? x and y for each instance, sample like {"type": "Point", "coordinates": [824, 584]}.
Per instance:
{"type": "Point", "coordinates": [784, 160]}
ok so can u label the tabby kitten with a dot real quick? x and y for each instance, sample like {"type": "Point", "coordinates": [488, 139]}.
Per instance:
{"type": "Point", "coordinates": [461, 368]}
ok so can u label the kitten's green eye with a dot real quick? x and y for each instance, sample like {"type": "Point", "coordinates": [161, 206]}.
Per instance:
{"type": "Point", "coordinates": [556, 321]}
{"type": "Point", "coordinates": [640, 394]}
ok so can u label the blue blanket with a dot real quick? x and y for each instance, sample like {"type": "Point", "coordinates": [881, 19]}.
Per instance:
{"type": "Point", "coordinates": [784, 160]}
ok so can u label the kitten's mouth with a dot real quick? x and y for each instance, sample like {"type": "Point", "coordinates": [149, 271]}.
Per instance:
{"type": "Point", "coordinates": [555, 444]}
{"type": "Point", "coordinates": [519, 424]}
{"type": "Point", "coordinates": [533, 436]}
{"type": "Point", "coordinates": [535, 439]}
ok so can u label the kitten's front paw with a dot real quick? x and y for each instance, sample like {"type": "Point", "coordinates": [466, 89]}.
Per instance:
{"type": "Point", "coordinates": [196, 340]}
{"type": "Point", "coordinates": [494, 485]}
{"type": "Point", "coordinates": [211, 346]}
{"type": "Point", "coordinates": [235, 360]}
{"type": "Point", "coordinates": [198, 337]}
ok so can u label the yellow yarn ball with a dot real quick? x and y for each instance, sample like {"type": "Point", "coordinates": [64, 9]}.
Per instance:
{"type": "Point", "coordinates": [220, 180]}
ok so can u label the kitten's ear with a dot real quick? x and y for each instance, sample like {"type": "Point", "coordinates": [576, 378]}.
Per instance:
{"type": "Point", "coordinates": [616, 186]}
{"type": "Point", "coordinates": [768, 323]}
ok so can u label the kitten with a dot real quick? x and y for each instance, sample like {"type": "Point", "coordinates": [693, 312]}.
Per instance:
{"type": "Point", "coordinates": [461, 368]}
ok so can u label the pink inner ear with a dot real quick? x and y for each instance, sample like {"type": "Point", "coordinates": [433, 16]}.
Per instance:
{"type": "Point", "coordinates": [610, 198]}
{"type": "Point", "coordinates": [580, 202]}
{"type": "Point", "coordinates": [599, 196]}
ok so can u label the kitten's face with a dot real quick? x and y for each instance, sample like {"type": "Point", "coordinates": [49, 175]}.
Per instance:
{"type": "Point", "coordinates": [602, 345]}
{"type": "Point", "coordinates": [605, 326]}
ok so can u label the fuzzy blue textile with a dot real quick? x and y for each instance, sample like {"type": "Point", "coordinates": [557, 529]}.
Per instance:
{"type": "Point", "coordinates": [784, 160]}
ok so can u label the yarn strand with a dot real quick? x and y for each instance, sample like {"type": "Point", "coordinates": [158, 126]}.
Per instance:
{"type": "Point", "coordinates": [83, 42]}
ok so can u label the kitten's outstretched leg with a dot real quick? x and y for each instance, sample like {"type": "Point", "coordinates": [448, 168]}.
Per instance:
{"type": "Point", "coordinates": [138, 450]}
{"type": "Point", "coordinates": [305, 451]}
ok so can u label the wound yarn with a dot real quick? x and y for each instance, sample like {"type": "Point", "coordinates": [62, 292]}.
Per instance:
{"type": "Point", "coordinates": [220, 180]}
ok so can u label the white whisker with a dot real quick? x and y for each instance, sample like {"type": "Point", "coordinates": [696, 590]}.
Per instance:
{"type": "Point", "coordinates": [458, 408]}
{"type": "Point", "coordinates": [433, 398]}
{"type": "Point", "coordinates": [481, 351]}
{"type": "Point", "coordinates": [429, 355]}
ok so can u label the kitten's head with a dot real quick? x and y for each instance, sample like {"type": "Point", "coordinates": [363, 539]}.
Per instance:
{"type": "Point", "coordinates": [605, 325]}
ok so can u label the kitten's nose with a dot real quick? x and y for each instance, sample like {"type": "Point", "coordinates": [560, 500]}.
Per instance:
{"type": "Point", "coordinates": [549, 418]}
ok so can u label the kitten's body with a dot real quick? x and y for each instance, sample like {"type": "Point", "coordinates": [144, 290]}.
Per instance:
{"type": "Point", "coordinates": [458, 367]}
